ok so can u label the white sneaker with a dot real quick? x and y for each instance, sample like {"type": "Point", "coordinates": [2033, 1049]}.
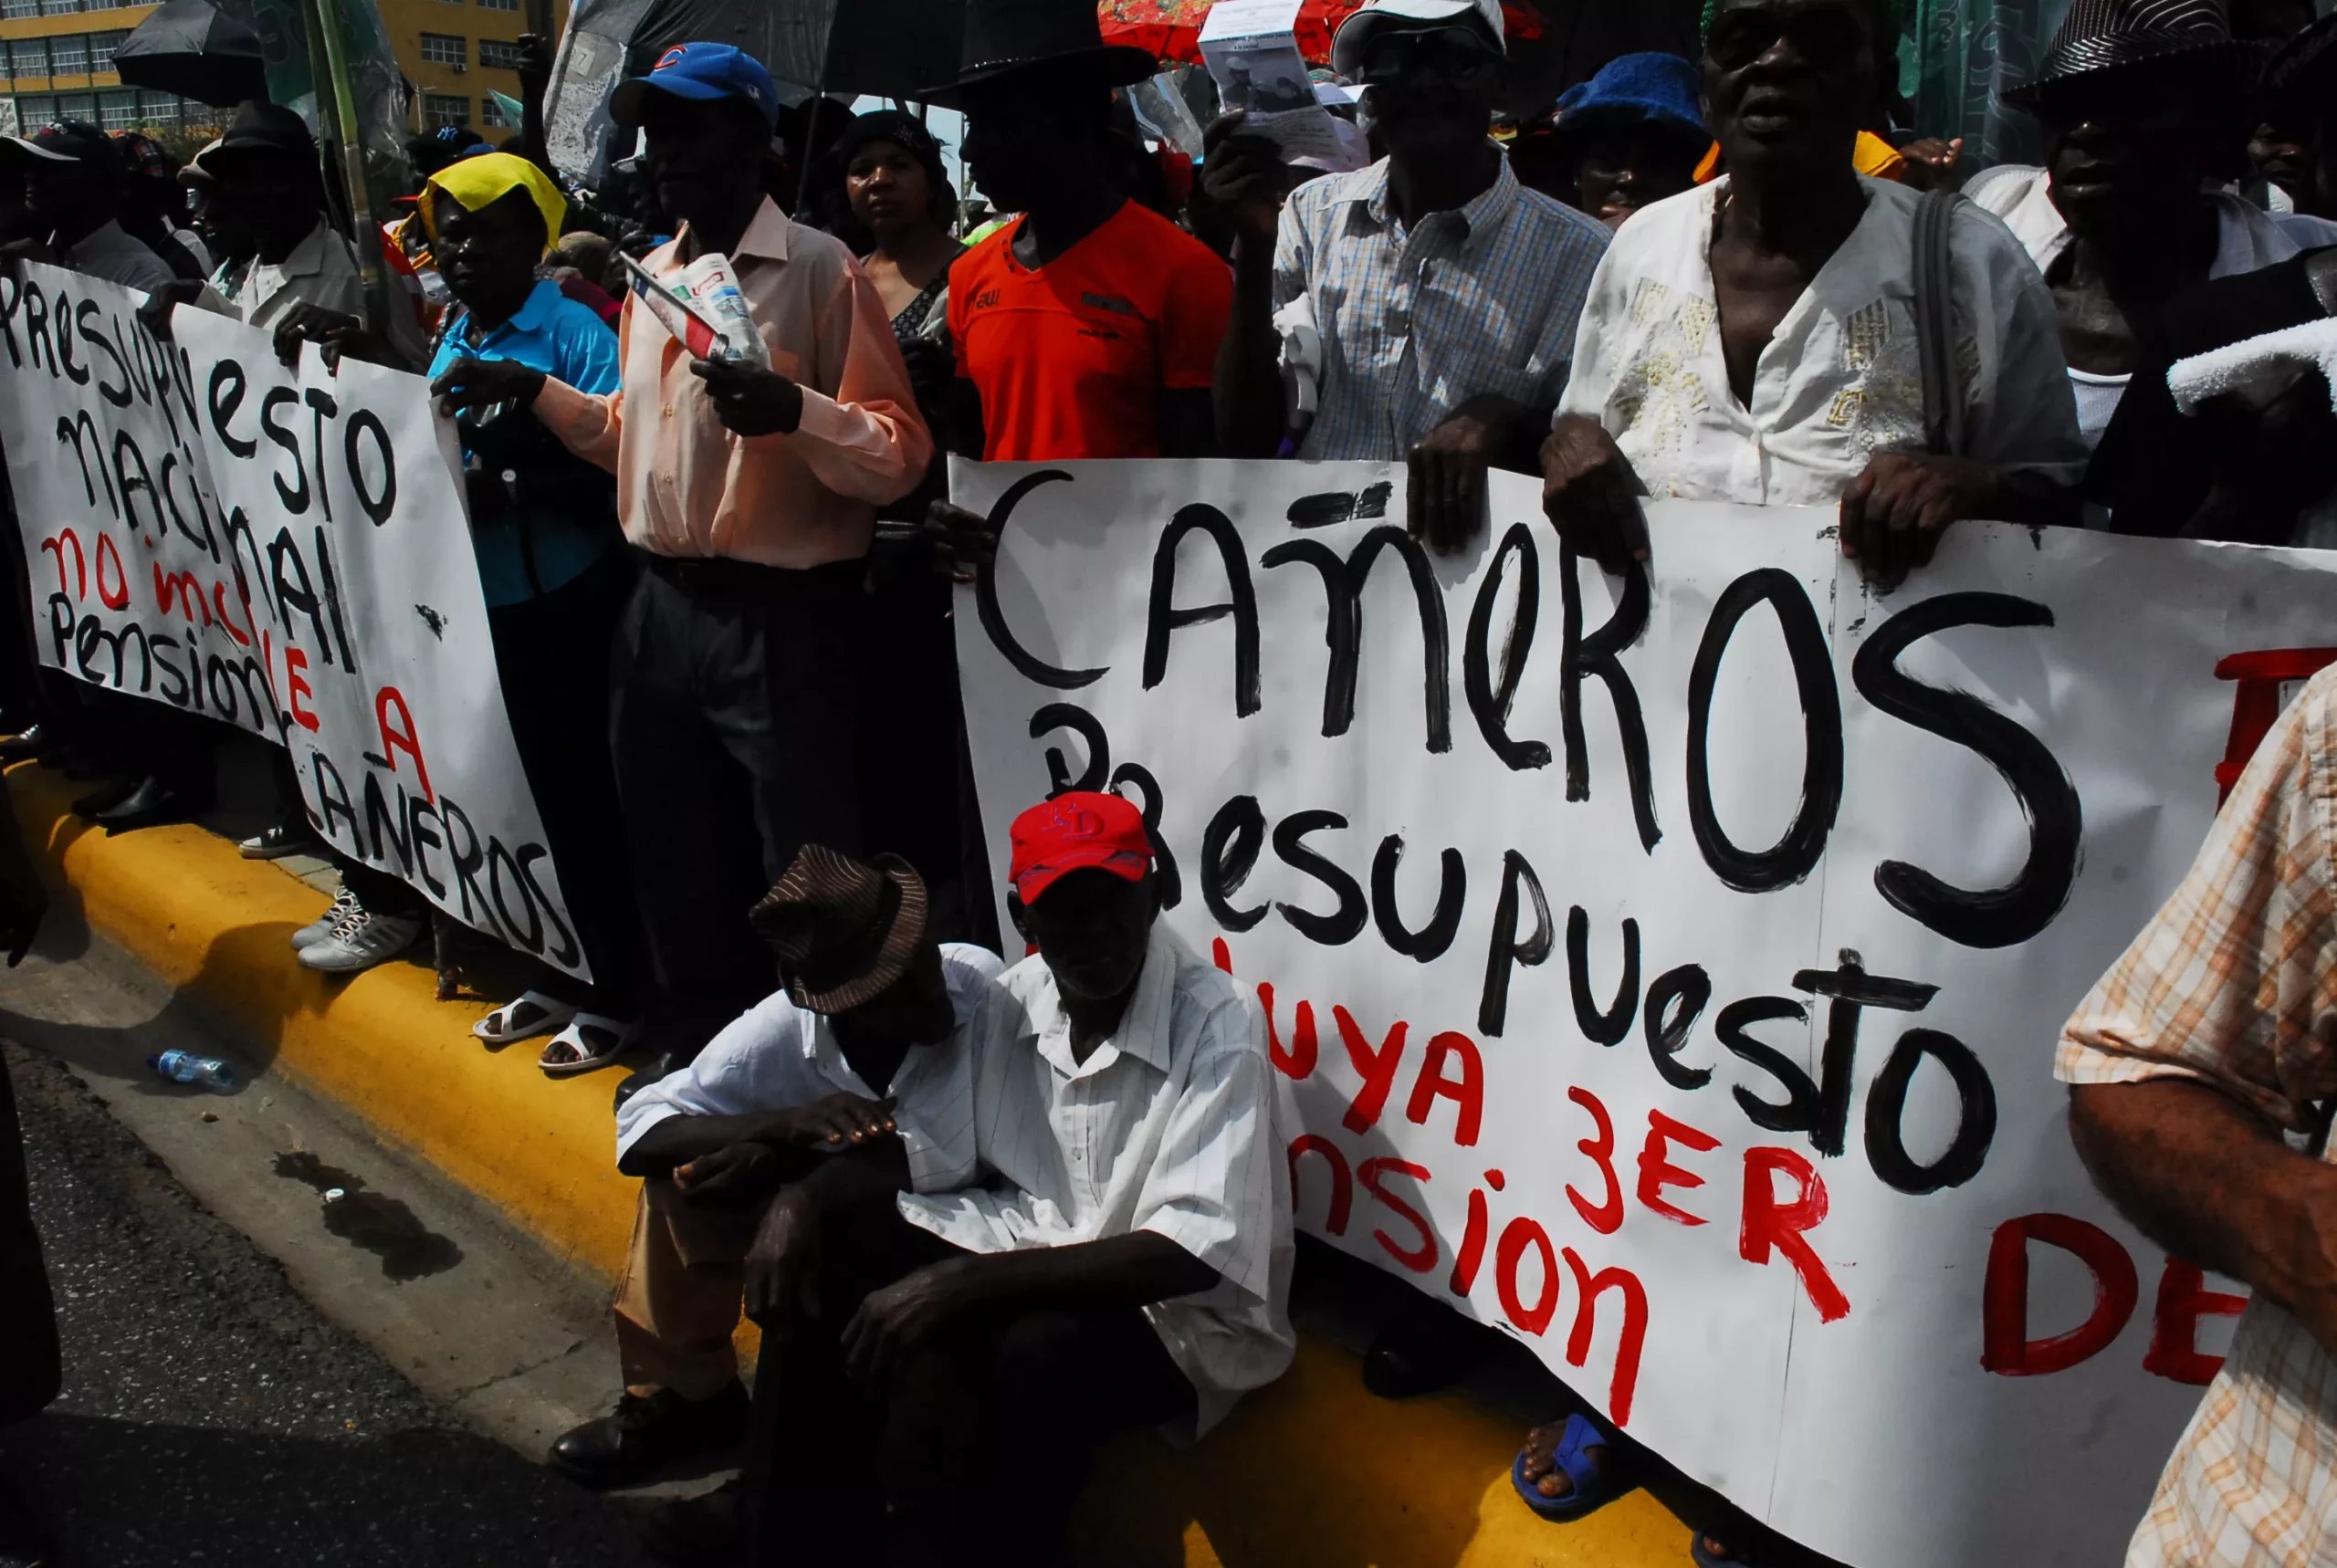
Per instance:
{"type": "Point", "coordinates": [344, 904]}
{"type": "Point", "coordinates": [361, 941]}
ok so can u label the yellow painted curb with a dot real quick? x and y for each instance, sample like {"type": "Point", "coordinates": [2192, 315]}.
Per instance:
{"type": "Point", "coordinates": [1313, 1472]}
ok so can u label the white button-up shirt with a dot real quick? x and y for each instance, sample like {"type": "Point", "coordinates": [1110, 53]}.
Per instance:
{"type": "Point", "coordinates": [777, 1056]}
{"type": "Point", "coordinates": [1840, 380]}
{"type": "Point", "coordinates": [1175, 1125]}
{"type": "Point", "coordinates": [112, 253]}
{"type": "Point", "coordinates": [1414, 324]}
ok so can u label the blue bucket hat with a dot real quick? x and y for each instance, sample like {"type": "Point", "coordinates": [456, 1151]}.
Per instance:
{"type": "Point", "coordinates": [1633, 88]}
{"type": "Point", "coordinates": [701, 72]}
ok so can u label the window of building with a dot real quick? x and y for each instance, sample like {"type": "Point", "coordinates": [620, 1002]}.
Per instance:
{"type": "Point", "coordinates": [18, 10]}
{"type": "Point", "coordinates": [499, 54]}
{"type": "Point", "coordinates": [28, 58]}
{"type": "Point", "coordinates": [60, 8]}
{"type": "Point", "coordinates": [118, 111]}
{"type": "Point", "coordinates": [445, 49]}
{"type": "Point", "coordinates": [68, 55]}
{"type": "Point", "coordinates": [33, 112]}
{"type": "Point", "coordinates": [158, 109]}
{"type": "Point", "coordinates": [102, 48]}
{"type": "Point", "coordinates": [498, 5]}
{"type": "Point", "coordinates": [82, 106]}
{"type": "Point", "coordinates": [438, 111]}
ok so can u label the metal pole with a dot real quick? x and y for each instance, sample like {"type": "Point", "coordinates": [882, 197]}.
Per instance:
{"type": "Point", "coordinates": [333, 87]}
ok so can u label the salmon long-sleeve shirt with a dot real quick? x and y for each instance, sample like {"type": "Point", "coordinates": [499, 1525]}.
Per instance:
{"type": "Point", "coordinates": [688, 486]}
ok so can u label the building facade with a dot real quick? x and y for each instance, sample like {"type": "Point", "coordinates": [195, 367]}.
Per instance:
{"type": "Point", "coordinates": [58, 56]}
{"type": "Point", "coordinates": [458, 54]}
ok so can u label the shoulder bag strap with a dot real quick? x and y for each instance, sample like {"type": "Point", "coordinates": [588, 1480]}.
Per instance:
{"type": "Point", "coordinates": [1936, 324]}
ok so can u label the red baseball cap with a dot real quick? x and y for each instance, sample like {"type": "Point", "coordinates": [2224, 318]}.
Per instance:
{"type": "Point", "coordinates": [1072, 833]}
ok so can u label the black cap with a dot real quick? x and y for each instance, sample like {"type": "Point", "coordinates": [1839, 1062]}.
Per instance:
{"type": "Point", "coordinates": [261, 129]}
{"type": "Point", "coordinates": [55, 145]}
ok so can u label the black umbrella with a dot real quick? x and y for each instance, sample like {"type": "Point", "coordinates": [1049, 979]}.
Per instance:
{"type": "Point", "coordinates": [194, 50]}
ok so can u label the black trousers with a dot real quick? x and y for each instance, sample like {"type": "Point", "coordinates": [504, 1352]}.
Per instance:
{"type": "Point", "coordinates": [553, 654]}
{"type": "Point", "coordinates": [30, 1370]}
{"type": "Point", "coordinates": [969, 1453]}
{"type": "Point", "coordinates": [736, 731]}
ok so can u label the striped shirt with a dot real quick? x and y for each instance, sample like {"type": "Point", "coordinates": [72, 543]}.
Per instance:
{"type": "Point", "coordinates": [777, 1056]}
{"type": "Point", "coordinates": [1414, 323]}
{"type": "Point", "coordinates": [1175, 1125]}
{"type": "Point", "coordinates": [2233, 984]}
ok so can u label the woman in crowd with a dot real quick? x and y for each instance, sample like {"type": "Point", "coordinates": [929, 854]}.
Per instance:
{"type": "Point", "coordinates": [1626, 138]}
{"type": "Point", "coordinates": [556, 576]}
{"type": "Point", "coordinates": [898, 190]}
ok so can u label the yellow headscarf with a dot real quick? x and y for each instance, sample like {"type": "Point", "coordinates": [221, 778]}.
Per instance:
{"type": "Point", "coordinates": [489, 176]}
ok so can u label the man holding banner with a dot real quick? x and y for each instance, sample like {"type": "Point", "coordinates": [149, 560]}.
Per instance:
{"type": "Point", "coordinates": [752, 488]}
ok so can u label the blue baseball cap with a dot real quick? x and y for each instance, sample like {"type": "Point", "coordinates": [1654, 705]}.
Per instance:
{"type": "Point", "coordinates": [701, 72]}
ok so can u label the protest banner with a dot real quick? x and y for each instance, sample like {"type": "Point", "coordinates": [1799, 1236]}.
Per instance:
{"type": "Point", "coordinates": [1670, 968]}
{"type": "Point", "coordinates": [285, 551]}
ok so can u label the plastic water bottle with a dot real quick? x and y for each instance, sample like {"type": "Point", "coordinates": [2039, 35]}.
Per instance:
{"type": "Point", "coordinates": [186, 1067]}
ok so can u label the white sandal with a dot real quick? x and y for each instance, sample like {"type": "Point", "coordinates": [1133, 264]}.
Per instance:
{"type": "Point", "coordinates": [616, 1034]}
{"type": "Point", "coordinates": [531, 1014]}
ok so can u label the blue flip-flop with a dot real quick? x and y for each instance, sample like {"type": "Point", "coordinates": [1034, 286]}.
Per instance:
{"type": "Point", "coordinates": [1592, 1490]}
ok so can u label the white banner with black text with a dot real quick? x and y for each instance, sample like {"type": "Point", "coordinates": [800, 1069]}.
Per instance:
{"type": "Point", "coordinates": [285, 551]}
{"type": "Point", "coordinates": [1670, 966]}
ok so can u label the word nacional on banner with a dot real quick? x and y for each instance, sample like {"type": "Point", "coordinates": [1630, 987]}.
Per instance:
{"type": "Point", "coordinates": [282, 550]}
{"type": "Point", "coordinates": [1670, 966]}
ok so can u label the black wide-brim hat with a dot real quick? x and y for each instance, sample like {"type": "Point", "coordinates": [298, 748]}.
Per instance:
{"type": "Point", "coordinates": [2112, 35]}
{"type": "Point", "coordinates": [2303, 77]}
{"type": "Point", "coordinates": [844, 930]}
{"type": "Point", "coordinates": [1048, 42]}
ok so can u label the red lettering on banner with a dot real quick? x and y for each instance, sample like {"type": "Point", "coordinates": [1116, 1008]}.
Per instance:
{"type": "Point", "coordinates": [1342, 1180]}
{"type": "Point", "coordinates": [2183, 1300]}
{"type": "Point", "coordinates": [1298, 1062]}
{"type": "Point", "coordinates": [1377, 1067]}
{"type": "Point", "coordinates": [1657, 1171]}
{"type": "Point", "coordinates": [1515, 1237]}
{"type": "Point", "coordinates": [1466, 1092]}
{"type": "Point", "coordinates": [402, 739]}
{"type": "Point", "coordinates": [2006, 1347]}
{"type": "Point", "coordinates": [117, 597]}
{"type": "Point", "coordinates": [1418, 1260]}
{"type": "Point", "coordinates": [296, 661]}
{"type": "Point", "coordinates": [1768, 1223]}
{"type": "Point", "coordinates": [1221, 955]}
{"type": "Point", "coordinates": [1588, 1288]}
{"type": "Point", "coordinates": [1604, 1218]}
{"type": "Point", "coordinates": [183, 588]}
{"type": "Point", "coordinates": [219, 599]}
{"type": "Point", "coordinates": [56, 547]}
{"type": "Point", "coordinates": [1473, 1240]}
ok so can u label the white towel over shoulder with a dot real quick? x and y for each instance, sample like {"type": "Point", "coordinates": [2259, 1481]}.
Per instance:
{"type": "Point", "coordinates": [2257, 370]}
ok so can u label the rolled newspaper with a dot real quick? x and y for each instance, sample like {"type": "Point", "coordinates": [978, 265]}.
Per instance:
{"type": "Point", "coordinates": [704, 308]}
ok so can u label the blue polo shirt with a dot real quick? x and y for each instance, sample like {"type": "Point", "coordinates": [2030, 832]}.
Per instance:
{"type": "Point", "coordinates": [566, 341]}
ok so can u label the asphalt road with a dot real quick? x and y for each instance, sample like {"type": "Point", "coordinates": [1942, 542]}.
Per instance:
{"type": "Point", "coordinates": [211, 1417]}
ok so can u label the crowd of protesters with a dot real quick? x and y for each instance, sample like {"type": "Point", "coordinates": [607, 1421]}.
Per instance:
{"type": "Point", "coordinates": [989, 1214]}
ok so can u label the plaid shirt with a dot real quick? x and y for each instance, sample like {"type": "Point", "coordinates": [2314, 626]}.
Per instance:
{"type": "Point", "coordinates": [1483, 299]}
{"type": "Point", "coordinates": [2235, 984]}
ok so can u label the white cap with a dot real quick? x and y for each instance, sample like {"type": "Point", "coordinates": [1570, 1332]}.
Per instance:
{"type": "Point", "coordinates": [1355, 34]}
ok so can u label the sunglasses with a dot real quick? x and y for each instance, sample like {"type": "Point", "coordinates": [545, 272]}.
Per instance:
{"type": "Point", "coordinates": [1451, 53]}
{"type": "Point", "coordinates": [1828, 36]}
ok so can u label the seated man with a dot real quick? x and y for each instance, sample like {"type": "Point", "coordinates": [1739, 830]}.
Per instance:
{"type": "Point", "coordinates": [1755, 339]}
{"type": "Point", "coordinates": [870, 1007]}
{"type": "Point", "coordinates": [956, 1357]}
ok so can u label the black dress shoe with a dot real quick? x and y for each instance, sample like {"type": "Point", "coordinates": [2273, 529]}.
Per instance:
{"type": "Point", "coordinates": [643, 1435]}
{"type": "Point", "coordinates": [1426, 1348]}
{"type": "Point", "coordinates": [153, 804]}
{"type": "Point", "coordinates": [106, 796]}
{"type": "Point", "coordinates": [30, 742]}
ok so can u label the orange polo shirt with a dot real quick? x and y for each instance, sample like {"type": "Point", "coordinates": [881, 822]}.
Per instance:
{"type": "Point", "coordinates": [1071, 359]}
{"type": "Point", "coordinates": [686, 485]}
